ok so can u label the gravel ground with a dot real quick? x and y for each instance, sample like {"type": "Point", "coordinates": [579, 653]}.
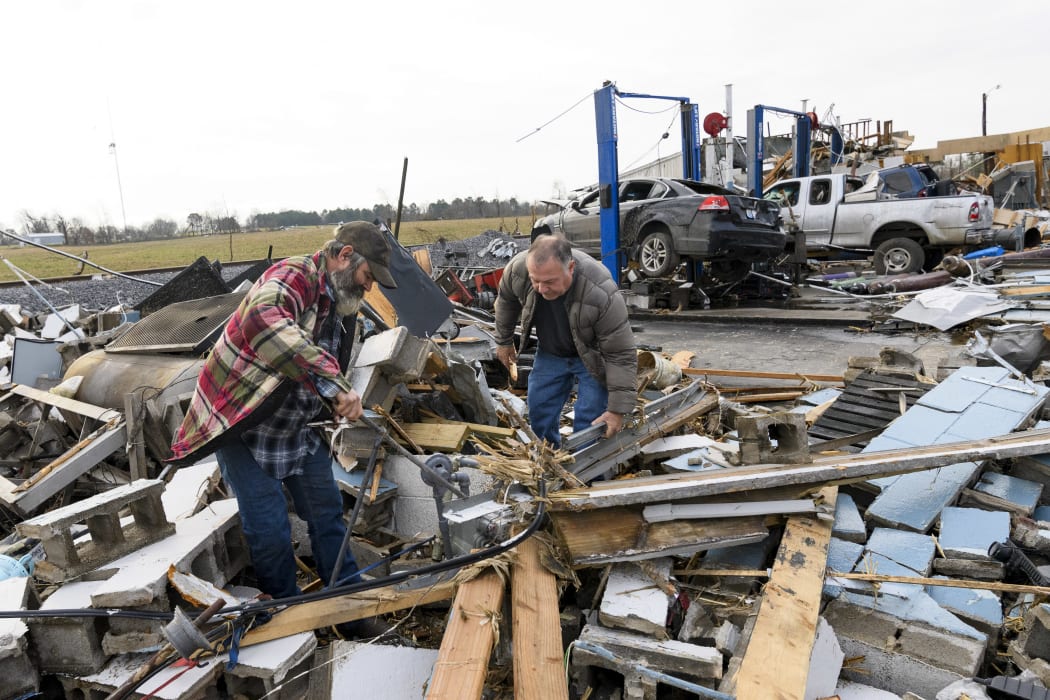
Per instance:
{"type": "Point", "coordinates": [489, 250]}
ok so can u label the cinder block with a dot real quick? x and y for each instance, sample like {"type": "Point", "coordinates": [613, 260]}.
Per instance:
{"type": "Point", "coordinates": [197, 547]}
{"type": "Point", "coordinates": [396, 351]}
{"type": "Point", "coordinates": [110, 537]}
{"type": "Point", "coordinates": [16, 669]}
{"type": "Point", "coordinates": [69, 644]}
{"type": "Point", "coordinates": [947, 651]}
{"type": "Point", "coordinates": [891, 671]}
{"type": "Point", "coordinates": [774, 438]}
{"type": "Point", "coordinates": [1037, 625]}
{"type": "Point", "coordinates": [262, 669]}
{"type": "Point", "coordinates": [632, 600]}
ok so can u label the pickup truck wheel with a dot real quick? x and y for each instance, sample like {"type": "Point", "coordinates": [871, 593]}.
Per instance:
{"type": "Point", "coordinates": [898, 256]}
{"type": "Point", "coordinates": [656, 254]}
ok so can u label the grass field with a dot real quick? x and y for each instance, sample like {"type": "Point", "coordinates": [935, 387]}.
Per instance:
{"type": "Point", "coordinates": [240, 246]}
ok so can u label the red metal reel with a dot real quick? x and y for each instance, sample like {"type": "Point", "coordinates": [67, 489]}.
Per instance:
{"type": "Point", "coordinates": [715, 123]}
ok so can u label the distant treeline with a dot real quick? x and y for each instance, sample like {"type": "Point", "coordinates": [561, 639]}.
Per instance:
{"type": "Point", "coordinates": [76, 232]}
{"type": "Point", "coordinates": [469, 208]}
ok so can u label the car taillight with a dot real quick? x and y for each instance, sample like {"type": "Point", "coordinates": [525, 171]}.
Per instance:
{"type": "Point", "coordinates": [975, 212]}
{"type": "Point", "coordinates": [716, 203]}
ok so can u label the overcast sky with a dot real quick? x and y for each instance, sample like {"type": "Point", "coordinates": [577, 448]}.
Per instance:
{"type": "Point", "coordinates": [230, 107]}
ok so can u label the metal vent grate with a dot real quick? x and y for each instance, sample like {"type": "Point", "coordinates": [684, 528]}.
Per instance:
{"type": "Point", "coordinates": [188, 326]}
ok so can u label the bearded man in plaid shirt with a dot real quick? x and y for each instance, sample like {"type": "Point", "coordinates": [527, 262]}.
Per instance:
{"type": "Point", "coordinates": [279, 364]}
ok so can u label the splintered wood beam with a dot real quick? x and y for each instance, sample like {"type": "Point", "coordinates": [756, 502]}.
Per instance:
{"type": "Point", "coordinates": [536, 627]}
{"type": "Point", "coordinates": [608, 535]}
{"type": "Point", "coordinates": [347, 608]}
{"type": "Point", "coordinates": [800, 376]}
{"type": "Point", "coordinates": [477, 428]}
{"type": "Point", "coordinates": [463, 660]}
{"type": "Point", "coordinates": [776, 663]}
{"type": "Point", "coordinates": [822, 471]}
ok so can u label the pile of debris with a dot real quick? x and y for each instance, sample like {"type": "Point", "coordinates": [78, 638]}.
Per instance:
{"type": "Point", "coordinates": [873, 534]}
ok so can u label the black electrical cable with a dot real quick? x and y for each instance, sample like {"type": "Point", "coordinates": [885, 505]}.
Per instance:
{"type": "Point", "coordinates": [260, 606]}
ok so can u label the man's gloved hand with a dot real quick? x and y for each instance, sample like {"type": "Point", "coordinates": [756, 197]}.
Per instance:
{"type": "Point", "coordinates": [507, 355]}
{"type": "Point", "coordinates": [347, 404]}
{"type": "Point", "coordinates": [613, 422]}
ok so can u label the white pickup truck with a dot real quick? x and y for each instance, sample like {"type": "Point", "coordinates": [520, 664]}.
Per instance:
{"type": "Point", "coordinates": [839, 211]}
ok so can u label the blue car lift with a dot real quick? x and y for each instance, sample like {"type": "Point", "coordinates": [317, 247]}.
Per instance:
{"type": "Point", "coordinates": [609, 170]}
{"type": "Point", "coordinates": [805, 122]}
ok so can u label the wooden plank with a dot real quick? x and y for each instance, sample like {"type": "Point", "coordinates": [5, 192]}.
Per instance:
{"type": "Point", "coordinates": [61, 402]}
{"type": "Point", "coordinates": [776, 663]}
{"type": "Point", "coordinates": [479, 428]}
{"type": "Point", "coordinates": [134, 411]}
{"type": "Point", "coordinates": [599, 537]}
{"type": "Point", "coordinates": [759, 398]}
{"type": "Point", "coordinates": [438, 437]}
{"type": "Point", "coordinates": [536, 627]}
{"type": "Point", "coordinates": [463, 660]}
{"type": "Point", "coordinates": [800, 376]}
{"type": "Point", "coordinates": [347, 608]}
{"type": "Point", "coordinates": [830, 470]}
{"type": "Point", "coordinates": [998, 586]}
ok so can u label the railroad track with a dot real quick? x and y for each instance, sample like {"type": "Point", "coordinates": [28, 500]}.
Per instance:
{"type": "Point", "coordinates": [133, 273]}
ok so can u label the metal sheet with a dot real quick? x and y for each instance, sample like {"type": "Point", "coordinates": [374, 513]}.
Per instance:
{"type": "Point", "coordinates": [189, 326]}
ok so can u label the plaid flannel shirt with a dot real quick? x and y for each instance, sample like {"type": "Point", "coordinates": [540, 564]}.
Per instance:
{"type": "Point", "coordinates": [273, 335]}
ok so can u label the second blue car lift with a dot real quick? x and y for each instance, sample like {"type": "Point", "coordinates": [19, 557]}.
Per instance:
{"type": "Point", "coordinates": [609, 170]}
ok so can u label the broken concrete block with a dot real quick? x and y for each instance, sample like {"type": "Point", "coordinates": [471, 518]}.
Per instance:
{"type": "Point", "coordinates": [110, 537]}
{"type": "Point", "coordinates": [373, 386]}
{"type": "Point", "coordinates": [726, 638]}
{"type": "Point", "coordinates": [1036, 640]}
{"type": "Point", "coordinates": [371, 671]}
{"type": "Point", "coordinates": [199, 546]}
{"type": "Point", "coordinates": [262, 669]}
{"type": "Point", "coordinates": [778, 438]}
{"type": "Point", "coordinates": [981, 609]}
{"type": "Point", "coordinates": [914, 501]}
{"type": "Point", "coordinates": [188, 489]}
{"type": "Point", "coordinates": [633, 601]}
{"type": "Point", "coordinates": [20, 676]}
{"type": "Point", "coordinates": [697, 626]}
{"type": "Point", "coordinates": [849, 690]}
{"type": "Point", "coordinates": [825, 662]}
{"type": "Point", "coordinates": [924, 662]}
{"type": "Point", "coordinates": [69, 644]}
{"type": "Point", "coordinates": [1025, 494]}
{"type": "Point", "coordinates": [849, 525]}
{"type": "Point", "coordinates": [685, 661]}
{"type": "Point", "coordinates": [967, 533]}
{"type": "Point", "coordinates": [396, 351]}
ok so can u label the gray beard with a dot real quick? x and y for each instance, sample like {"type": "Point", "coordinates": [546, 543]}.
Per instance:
{"type": "Point", "coordinates": [348, 294]}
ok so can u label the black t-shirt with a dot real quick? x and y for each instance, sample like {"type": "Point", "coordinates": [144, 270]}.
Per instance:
{"type": "Point", "coordinates": [551, 320]}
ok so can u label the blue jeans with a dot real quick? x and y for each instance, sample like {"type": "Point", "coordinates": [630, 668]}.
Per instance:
{"type": "Point", "coordinates": [550, 383]}
{"type": "Point", "coordinates": [264, 516]}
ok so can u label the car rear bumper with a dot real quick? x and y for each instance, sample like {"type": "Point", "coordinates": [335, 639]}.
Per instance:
{"type": "Point", "coordinates": [721, 239]}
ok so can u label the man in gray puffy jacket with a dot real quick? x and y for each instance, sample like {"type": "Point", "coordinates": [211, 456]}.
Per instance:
{"type": "Point", "coordinates": [584, 337]}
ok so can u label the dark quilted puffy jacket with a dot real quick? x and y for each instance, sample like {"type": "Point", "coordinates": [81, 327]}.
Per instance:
{"type": "Point", "coordinates": [597, 319]}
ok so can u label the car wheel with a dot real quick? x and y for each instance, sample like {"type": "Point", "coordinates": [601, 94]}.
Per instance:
{"type": "Point", "coordinates": [656, 255]}
{"type": "Point", "coordinates": [898, 256]}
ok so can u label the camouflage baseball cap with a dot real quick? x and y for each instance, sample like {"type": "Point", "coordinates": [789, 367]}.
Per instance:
{"type": "Point", "coordinates": [369, 241]}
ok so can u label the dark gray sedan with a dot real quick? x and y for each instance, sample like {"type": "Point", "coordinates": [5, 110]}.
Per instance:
{"type": "Point", "coordinates": [663, 220]}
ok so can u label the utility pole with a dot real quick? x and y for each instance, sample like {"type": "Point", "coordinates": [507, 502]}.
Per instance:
{"type": "Point", "coordinates": [984, 110]}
